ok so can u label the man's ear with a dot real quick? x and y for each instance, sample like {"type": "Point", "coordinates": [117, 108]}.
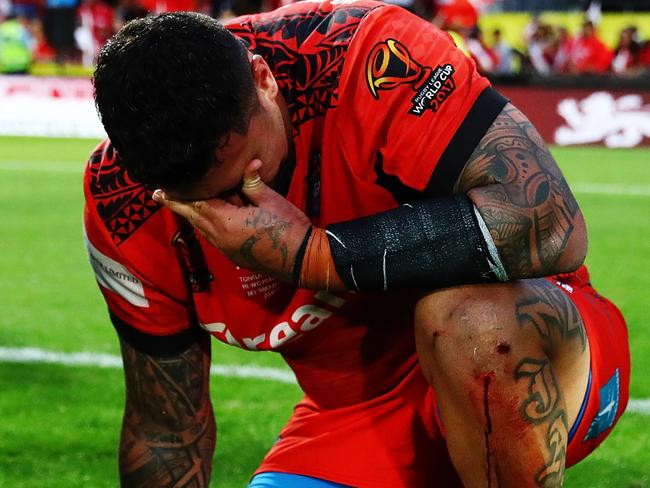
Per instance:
{"type": "Point", "coordinates": [263, 77]}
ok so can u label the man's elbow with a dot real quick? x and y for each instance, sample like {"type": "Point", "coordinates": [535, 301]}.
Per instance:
{"type": "Point", "coordinates": [571, 254]}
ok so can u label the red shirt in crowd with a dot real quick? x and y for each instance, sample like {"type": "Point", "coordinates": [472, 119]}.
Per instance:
{"type": "Point", "coordinates": [455, 14]}
{"type": "Point", "coordinates": [99, 18]}
{"type": "Point", "coordinates": [160, 6]}
{"type": "Point", "coordinates": [590, 55]}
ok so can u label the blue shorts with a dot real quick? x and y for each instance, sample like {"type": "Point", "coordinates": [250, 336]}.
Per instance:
{"type": "Point", "coordinates": [285, 480]}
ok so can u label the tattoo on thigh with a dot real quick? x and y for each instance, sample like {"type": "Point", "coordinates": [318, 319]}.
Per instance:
{"type": "Point", "coordinates": [556, 441]}
{"type": "Point", "coordinates": [543, 406]}
{"type": "Point", "coordinates": [550, 311]}
{"type": "Point", "coordinates": [543, 392]}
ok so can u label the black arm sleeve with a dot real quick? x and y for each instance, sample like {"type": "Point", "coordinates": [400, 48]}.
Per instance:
{"type": "Point", "coordinates": [479, 119]}
{"type": "Point", "coordinates": [432, 243]}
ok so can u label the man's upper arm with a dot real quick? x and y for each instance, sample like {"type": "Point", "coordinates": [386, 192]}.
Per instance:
{"type": "Point", "coordinates": [524, 199]}
{"type": "Point", "coordinates": [136, 251]}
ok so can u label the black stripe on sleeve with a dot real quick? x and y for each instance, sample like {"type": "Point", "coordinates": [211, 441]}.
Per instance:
{"type": "Point", "coordinates": [400, 192]}
{"type": "Point", "coordinates": [160, 346]}
{"type": "Point", "coordinates": [488, 105]}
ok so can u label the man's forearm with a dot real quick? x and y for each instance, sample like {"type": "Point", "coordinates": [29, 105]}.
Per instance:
{"type": "Point", "coordinates": [164, 458]}
{"type": "Point", "coordinates": [168, 430]}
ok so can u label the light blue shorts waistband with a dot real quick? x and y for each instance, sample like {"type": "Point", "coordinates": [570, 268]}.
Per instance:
{"type": "Point", "coordinates": [285, 480]}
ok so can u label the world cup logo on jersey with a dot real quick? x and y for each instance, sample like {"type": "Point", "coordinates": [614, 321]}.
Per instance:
{"type": "Point", "coordinates": [390, 65]}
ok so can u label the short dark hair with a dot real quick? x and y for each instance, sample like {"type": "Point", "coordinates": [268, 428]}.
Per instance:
{"type": "Point", "coordinates": [169, 89]}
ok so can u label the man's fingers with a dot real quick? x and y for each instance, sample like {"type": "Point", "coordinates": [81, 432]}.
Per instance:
{"type": "Point", "coordinates": [195, 211]}
{"type": "Point", "coordinates": [184, 209]}
{"type": "Point", "coordinates": [252, 184]}
{"type": "Point", "coordinates": [254, 188]}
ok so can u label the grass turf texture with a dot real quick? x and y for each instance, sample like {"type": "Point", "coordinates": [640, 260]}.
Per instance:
{"type": "Point", "coordinates": [60, 424]}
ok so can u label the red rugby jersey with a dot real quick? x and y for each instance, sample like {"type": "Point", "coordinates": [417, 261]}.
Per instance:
{"type": "Point", "coordinates": [384, 108]}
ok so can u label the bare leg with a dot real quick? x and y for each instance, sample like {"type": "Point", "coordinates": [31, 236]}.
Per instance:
{"type": "Point", "coordinates": [510, 365]}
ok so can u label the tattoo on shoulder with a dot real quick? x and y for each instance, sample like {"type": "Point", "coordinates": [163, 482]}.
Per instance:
{"type": "Point", "coordinates": [168, 432]}
{"type": "Point", "coordinates": [525, 201]}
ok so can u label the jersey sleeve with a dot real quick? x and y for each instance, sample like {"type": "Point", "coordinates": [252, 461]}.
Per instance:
{"type": "Point", "coordinates": [412, 105]}
{"type": "Point", "coordinates": [130, 248]}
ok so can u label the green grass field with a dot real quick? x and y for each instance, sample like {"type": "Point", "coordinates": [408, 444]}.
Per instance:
{"type": "Point", "coordinates": [59, 424]}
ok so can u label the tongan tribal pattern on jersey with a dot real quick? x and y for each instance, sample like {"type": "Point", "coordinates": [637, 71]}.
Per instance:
{"type": "Point", "coordinates": [305, 51]}
{"type": "Point", "coordinates": [122, 204]}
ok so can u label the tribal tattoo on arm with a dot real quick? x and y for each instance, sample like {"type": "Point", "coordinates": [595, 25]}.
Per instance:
{"type": "Point", "coordinates": [524, 199]}
{"type": "Point", "coordinates": [168, 430]}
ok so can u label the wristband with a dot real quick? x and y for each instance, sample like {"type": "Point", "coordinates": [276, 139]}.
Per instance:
{"type": "Point", "coordinates": [317, 270]}
{"type": "Point", "coordinates": [300, 255]}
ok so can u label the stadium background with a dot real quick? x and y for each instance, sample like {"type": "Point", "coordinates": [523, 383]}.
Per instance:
{"type": "Point", "coordinates": [61, 389]}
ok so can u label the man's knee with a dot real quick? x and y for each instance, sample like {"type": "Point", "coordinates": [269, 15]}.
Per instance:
{"type": "Point", "coordinates": [472, 325]}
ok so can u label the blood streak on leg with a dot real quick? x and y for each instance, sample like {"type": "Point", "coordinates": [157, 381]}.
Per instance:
{"type": "Point", "coordinates": [488, 425]}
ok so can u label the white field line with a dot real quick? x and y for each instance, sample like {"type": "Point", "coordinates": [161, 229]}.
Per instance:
{"type": "Point", "coordinates": [34, 355]}
{"type": "Point", "coordinates": [44, 167]}
{"type": "Point", "coordinates": [639, 406]}
{"type": "Point", "coordinates": [612, 189]}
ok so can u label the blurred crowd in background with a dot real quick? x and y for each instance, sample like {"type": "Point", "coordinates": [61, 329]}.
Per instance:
{"type": "Point", "coordinates": [552, 50]}
{"type": "Point", "coordinates": [73, 31]}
